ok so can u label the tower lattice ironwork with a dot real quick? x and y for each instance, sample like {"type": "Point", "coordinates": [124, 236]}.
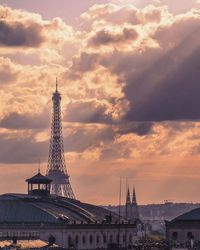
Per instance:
{"type": "Point", "coordinates": [56, 169]}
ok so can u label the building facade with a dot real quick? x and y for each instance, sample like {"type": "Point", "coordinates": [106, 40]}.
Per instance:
{"type": "Point", "coordinates": [184, 230]}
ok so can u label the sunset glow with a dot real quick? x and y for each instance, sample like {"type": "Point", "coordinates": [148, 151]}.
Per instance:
{"type": "Point", "coordinates": [129, 76]}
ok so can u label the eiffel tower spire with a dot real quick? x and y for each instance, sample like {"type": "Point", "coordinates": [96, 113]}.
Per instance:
{"type": "Point", "coordinates": [56, 169]}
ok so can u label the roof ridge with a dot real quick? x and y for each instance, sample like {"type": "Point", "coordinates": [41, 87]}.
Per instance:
{"type": "Point", "coordinates": [44, 210]}
{"type": "Point", "coordinates": [179, 217]}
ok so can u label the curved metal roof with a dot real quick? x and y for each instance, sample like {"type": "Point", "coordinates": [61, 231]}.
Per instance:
{"type": "Point", "coordinates": [193, 215]}
{"type": "Point", "coordinates": [16, 208]}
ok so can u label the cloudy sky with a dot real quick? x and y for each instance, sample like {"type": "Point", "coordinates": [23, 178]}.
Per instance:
{"type": "Point", "coordinates": [129, 74]}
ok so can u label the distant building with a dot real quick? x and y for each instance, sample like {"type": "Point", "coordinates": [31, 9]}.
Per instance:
{"type": "Point", "coordinates": [131, 207]}
{"type": "Point", "coordinates": [135, 211]}
{"type": "Point", "coordinates": [132, 214]}
{"type": "Point", "coordinates": [155, 215]}
{"type": "Point", "coordinates": [184, 230]}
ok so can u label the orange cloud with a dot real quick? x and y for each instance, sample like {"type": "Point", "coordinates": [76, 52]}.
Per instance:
{"type": "Point", "coordinates": [24, 29]}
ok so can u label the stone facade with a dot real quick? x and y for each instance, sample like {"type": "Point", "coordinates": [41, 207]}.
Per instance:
{"type": "Point", "coordinates": [184, 230]}
{"type": "Point", "coordinates": [83, 236]}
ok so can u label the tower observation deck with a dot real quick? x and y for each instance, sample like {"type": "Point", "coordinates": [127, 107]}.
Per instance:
{"type": "Point", "coordinates": [56, 169]}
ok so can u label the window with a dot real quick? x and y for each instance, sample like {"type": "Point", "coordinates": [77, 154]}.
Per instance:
{"type": "Point", "coordinates": [83, 239]}
{"type": "Point", "coordinates": [130, 238]}
{"type": "Point", "coordinates": [91, 239]}
{"type": "Point", "coordinates": [76, 239]}
{"type": "Point", "coordinates": [124, 238]}
{"type": "Point", "coordinates": [104, 238]}
{"type": "Point", "coordinates": [139, 227]}
{"type": "Point", "coordinates": [117, 238]}
{"type": "Point", "coordinates": [69, 240]}
{"type": "Point", "coordinates": [111, 238]}
{"type": "Point", "coordinates": [97, 239]}
{"type": "Point", "coordinates": [52, 240]}
{"type": "Point", "coordinates": [190, 235]}
{"type": "Point", "coordinates": [174, 235]}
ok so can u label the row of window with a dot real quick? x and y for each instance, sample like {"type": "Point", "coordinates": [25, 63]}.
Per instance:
{"type": "Point", "coordinates": [19, 234]}
{"type": "Point", "coordinates": [190, 235]}
{"type": "Point", "coordinates": [96, 239]}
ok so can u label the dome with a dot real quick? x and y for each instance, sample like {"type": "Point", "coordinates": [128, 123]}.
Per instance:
{"type": "Point", "coordinates": [30, 209]}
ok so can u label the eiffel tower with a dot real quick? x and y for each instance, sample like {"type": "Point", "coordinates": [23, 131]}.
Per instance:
{"type": "Point", "coordinates": [56, 169]}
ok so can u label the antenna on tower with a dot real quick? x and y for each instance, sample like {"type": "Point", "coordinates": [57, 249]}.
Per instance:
{"type": "Point", "coordinates": [56, 84]}
{"type": "Point", "coordinates": [39, 166]}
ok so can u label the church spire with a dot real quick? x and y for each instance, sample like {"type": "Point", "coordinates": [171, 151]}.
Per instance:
{"type": "Point", "coordinates": [134, 200]}
{"type": "Point", "coordinates": [128, 197]}
{"type": "Point", "coordinates": [128, 205]}
{"type": "Point", "coordinates": [135, 212]}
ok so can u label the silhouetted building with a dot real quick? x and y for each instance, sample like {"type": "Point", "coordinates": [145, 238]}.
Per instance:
{"type": "Point", "coordinates": [135, 211]}
{"type": "Point", "coordinates": [131, 207]}
{"type": "Point", "coordinates": [184, 230]}
{"type": "Point", "coordinates": [128, 206]}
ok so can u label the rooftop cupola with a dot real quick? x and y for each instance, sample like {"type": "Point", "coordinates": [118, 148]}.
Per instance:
{"type": "Point", "coordinates": [39, 185]}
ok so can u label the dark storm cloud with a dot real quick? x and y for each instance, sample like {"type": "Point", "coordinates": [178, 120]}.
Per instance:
{"type": "Point", "coordinates": [86, 62]}
{"type": "Point", "coordinates": [82, 139]}
{"type": "Point", "coordinates": [162, 83]}
{"type": "Point", "coordinates": [130, 63]}
{"type": "Point", "coordinates": [139, 128]}
{"type": "Point", "coordinates": [23, 150]}
{"type": "Point", "coordinates": [87, 112]}
{"type": "Point", "coordinates": [18, 34]}
{"type": "Point", "coordinates": [27, 150]}
{"type": "Point", "coordinates": [160, 74]}
{"type": "Point", "coordinates": [166, 91]}
{"type": "Point", "coordinates": [95, 112]}
{"type": "Point", "coordinates": [116, 151]}
{"type": "Point", "coordinates": [24, 121]}
{"type": "Point", "coordinates": [83, 63]}
{"type": "Point", "coordinates": [104, 37]}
